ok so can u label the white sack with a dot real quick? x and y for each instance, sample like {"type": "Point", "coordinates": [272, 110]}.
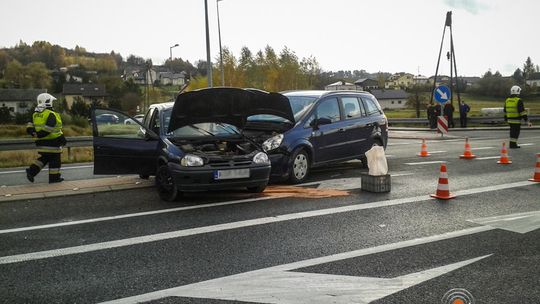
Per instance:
{"type": "Point", "coordinates": [376, 160]}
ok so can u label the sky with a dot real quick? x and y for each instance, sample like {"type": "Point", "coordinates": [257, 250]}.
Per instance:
{"type": "Point", "coordinates": [376, 35]}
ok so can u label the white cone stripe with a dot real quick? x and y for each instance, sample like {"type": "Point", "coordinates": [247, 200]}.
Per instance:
{"type": "Point", "coordinates": [444, 175]}
{"type": "Point", "coordinates": [443, 187]}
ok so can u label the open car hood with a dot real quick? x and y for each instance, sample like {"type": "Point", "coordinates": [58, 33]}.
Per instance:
{"type": "Point", "coordinates": [227, 105]}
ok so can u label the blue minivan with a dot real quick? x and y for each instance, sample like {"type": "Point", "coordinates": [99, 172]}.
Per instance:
{"type": "Point", "coordinates": [328, 127]}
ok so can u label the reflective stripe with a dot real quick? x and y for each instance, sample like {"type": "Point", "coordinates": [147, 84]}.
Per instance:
{"type": "Point", "coordinates": [511, 108]}
{"type": "Point", "coordinates": [39, 164]}
{"type": "Point", "coordinates": [40, 123]}
{"type": "Point", "coordinates": [46, 149]}
{"type": "Point", "coordinates": [54, 171]}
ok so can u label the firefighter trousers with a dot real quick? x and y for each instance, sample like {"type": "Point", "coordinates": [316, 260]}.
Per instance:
{"type": "Point", "coordinates": [515, 129]}
{"type": "Point", "coordinates": [54, 161]}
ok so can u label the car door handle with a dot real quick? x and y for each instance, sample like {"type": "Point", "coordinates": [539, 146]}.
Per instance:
{"type": "Point", "coordinates": [342, 129]}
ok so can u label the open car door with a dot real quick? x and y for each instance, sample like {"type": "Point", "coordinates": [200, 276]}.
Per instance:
{"type": "Point", "coordinates": [122, 145]}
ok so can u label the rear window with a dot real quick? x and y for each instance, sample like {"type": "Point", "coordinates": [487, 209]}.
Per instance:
{"type": "Point", "coordinates": [351, 107]}
{"type": "Point", "coordinates": [372, 107]}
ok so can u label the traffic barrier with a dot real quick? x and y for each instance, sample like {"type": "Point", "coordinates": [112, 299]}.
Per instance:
{"type": "Point", "coordinates": [504, 160]}
{"type": "Point", "coordinates": [536, 176]}
{"type": "Point", "coordinates": [423, 152]}
{"type": "Point", "coordinates": [443, 190]}
{"type": "Point", "coordinates": [467, 154]}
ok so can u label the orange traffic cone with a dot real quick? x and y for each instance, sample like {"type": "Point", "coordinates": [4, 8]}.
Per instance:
{"type": "Point", "coordinates": [536, 177]}
{"type": "Point", "coordinates": [424, 152]}
{"type": "Point", "coordinates": [443, 191]}
{"type": "Point", "coordinates": [467, 154]}
{"type": "Point", "coordinates": [504, 156]}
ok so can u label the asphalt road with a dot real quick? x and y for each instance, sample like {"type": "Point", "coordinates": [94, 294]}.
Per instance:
{"type": "Point", "coordinates": [236, 247]}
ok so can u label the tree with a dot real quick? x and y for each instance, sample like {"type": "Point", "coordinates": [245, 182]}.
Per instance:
{"type": "Point", "coordinates": [14, 75]}
{"type": "Point", "coordinates": [135, 60]}
{"type": "Point", "coordinates": [528, 68]}
{"type": "Point", "coordinates": [39, 75]}
{"type": "Point", "coordinates": [130, 101]}
{"type": "Point", "coordinates": [518, 77]}
{"type": "Point", "coordinates": [80, 108]}
{"type": "Point", "coordinates": [5, 115]}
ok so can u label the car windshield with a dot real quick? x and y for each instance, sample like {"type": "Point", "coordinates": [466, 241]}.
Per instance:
{"type": "Point", "coordinates": [200, 129]}
{"type": "Point", "coordinates": [299, 105]}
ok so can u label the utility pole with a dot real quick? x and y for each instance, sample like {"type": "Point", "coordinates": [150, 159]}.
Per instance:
{"type": "Point", "coordinates": [220, 49]}
{"type": "Point", "coordinates": [208, 62]}
{"type": "Point", "coordinates": [452, 58]}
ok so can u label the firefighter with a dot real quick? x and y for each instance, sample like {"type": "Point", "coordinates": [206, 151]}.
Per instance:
{"type": "Point", "coordinates": [514, 112]}
{"type": "Point", "coordinates": [46, 129]}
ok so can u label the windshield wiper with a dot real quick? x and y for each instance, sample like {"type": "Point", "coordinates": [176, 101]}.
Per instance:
{"type": "Point", "coordinates": [202, 130]}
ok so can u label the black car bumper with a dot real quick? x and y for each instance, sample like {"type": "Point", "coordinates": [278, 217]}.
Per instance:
{"type": "Point", "coordinates": [202, 179]}
{"type": "Point", "coordinates": [280, 166]}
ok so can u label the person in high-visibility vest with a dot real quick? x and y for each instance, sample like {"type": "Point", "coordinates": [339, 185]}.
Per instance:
{"type": "Point", "coordinates": [46, 129]}
{"type": "Point", "coordinates": [514, 112]}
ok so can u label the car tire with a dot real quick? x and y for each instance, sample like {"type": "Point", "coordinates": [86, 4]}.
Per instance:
{"type": "Point", "coordinates": [256, 189]}
{"type": "Point", "coordinates": [167, 189]}
{"type": "Point", "coordinates": [144, 176]}
{"type": "Point", "coordinates": [299, 168]}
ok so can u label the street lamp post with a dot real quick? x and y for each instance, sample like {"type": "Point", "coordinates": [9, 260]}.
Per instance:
{"type": "Point", "coordinates": [220, 49]}
{"type": "Point", "coordinates": [208, 62]}
{"type": "Point", "coordinates": [170, 49]}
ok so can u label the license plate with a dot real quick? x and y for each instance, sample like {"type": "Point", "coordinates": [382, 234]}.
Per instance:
{"type": "Point", "coordinates": [231, 174]}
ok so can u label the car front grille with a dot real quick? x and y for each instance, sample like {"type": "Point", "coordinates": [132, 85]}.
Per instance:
{"type": "Point", "coordinates": [228, 163]}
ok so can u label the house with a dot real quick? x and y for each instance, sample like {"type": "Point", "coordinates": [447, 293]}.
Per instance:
{"type": "Point", "coordinates": [534, 80]}
{"type": "Point", "coordinates": [441, 80]}
{"type": "Point", "coordinates": [89, 93]}
{"type": "Point", "coordinates": [19, 101]}
{"type": "Point", "coordinates": [170, 78]}
{"type": "Point", "coordinates": [340, 86]}
{"type": "Point", "coordinates": [420, 80]}
{"type": "Point", "coordinates": [366, 84]}
{"type": "Point", "coordinates": [139, 75]}
{"type": "Point", "coordinates": [470, 81]}
{"type": "Point", "coordinates": [391, 99]}
{"type": "Point", "coordinates": [399, 81]}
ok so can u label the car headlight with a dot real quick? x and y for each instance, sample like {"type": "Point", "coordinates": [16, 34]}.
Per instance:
{"type": "Point", "coordinates": [272, 143]}
{"type": "Point", "coordinates": [190, 160]}
{"type": "Point", "coordinates": [261, 158]}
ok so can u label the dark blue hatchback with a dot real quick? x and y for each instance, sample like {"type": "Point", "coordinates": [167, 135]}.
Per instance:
{"type": "Point", "coordinates": [329, 127]}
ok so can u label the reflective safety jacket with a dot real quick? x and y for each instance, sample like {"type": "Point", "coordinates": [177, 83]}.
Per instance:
{"type": "Point", "coordinates": [514, 110]}
{"type": "Point", "coordinates": [47, 126]}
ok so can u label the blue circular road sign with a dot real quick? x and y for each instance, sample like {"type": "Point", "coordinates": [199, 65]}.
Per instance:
{"type": "Point", "coordinates": [442, 94]}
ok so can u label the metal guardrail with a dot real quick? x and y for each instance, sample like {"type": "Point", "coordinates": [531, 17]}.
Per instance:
{"type": "Point", "coordinates": [86, 141]}
{"type": "Point", "coordinates": [471, 120]}
{"type": "Point", "coordinates": [28, 143]}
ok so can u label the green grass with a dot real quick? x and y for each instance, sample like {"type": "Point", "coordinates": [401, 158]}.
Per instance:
{"type": "Point", "coordinates": [23, 158]}
{"type": "Point", "coordinates": [478, 102]}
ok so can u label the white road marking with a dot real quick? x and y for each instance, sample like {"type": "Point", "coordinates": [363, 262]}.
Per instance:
{"type": "Point", "coordinates": [527, 144]}
{"type": "Point", "coordinates": [235, 225]}
{"type": "Point", "coordinates": [426, 163]}
{"type": "Point", "coordinates": [339, 184]}
{"type": "Point", "coordinates": [436, 152]}
{"type": "Point", "coordinates": [339, 291]}
{"type": "Point", "coordinates": [63, 168]}
{"type": "Point", "coordinates": [293, 287]}
{"type": "Point", "coordinates": [129, 215]}
{"type": "Point", "coordinates": [482, 148]}
{"type": "Point", "coordinates": [518, 222]}
{"type": "Point", "coordinates": [488, 157]}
